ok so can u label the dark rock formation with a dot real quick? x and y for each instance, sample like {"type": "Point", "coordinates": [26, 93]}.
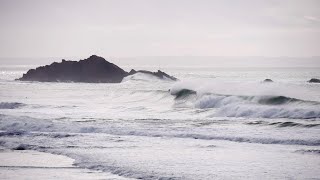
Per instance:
{"type": "Point", "coordinates": [159, 74]}
{"type": "Point", "coordinates": [94, 69]}
{"type": "Point", "coordinates": [267, 80]}
{"type": "Point", "coordinates": [314, 80]}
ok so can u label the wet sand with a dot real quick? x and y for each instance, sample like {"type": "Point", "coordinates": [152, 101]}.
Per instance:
{"type": "Point", "coordinates": [28, 164]}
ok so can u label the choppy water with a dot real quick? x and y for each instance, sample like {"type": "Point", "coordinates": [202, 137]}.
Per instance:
{"type": "Point", "coordinates": [234, 126]}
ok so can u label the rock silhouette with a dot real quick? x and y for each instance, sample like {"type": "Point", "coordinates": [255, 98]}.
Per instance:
{"type": "Point", "coordinates": [94, 69]}
{"type": "Point", "coordinates": [314, 80]}
{"type": "Point", "coordinates": [267, 80]}
{"type": "Point", "coordinates": [159, 74]}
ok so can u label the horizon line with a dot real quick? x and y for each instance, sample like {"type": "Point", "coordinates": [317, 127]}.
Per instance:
{"type": "Point", "coordinates": [162, 56]}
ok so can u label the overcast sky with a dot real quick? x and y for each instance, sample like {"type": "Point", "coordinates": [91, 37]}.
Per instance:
{"type": "Point", "coordinates": [120, 28]}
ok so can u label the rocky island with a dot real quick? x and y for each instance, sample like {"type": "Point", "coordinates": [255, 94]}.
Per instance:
{"type": "Point", "coordinates": [267, 80]}
{"type": "Point", "coordinates": [314, 80]}
{"type": "Point", "coordinates": [94, 69]}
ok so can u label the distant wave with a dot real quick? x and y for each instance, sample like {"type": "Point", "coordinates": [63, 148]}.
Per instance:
{"type": "Point", "coordinates": [24, 126]}
{"type": "Point", "coordinates": [265, 140]}
{"type": "Point", "coordinates": [309, 151]}
{"type": "Point", "coordinates": [262, 140]}
{"type": "Point", "coordinates": [284, 124]}
{"type": "Point", "coordinates": [10, 105]}
{"type": "Point", "coordinates": [253, 139]}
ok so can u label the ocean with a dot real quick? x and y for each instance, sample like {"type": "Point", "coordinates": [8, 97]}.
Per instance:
{"type": "Point", "coordinates": [214, 123]}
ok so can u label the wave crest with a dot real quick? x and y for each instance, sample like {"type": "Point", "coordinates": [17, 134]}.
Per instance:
{"type": "Point", "coordinates": [252, 106]}
{"type": "Point", "coordinates": [144, 77]}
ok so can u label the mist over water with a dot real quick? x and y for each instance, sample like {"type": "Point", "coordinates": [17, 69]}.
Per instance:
{"type": "Point", "coordinates": [214, 123]}
{"type": "Point", "coordinates": [220, 120]}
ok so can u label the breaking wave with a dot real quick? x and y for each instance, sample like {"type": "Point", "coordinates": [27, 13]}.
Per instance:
{"type": "Point", "coordinates": [144, 77]}
{"type": "Point", "coordinates": [184, 93]}
{"type": "Point", "coordinates": [257, 106]}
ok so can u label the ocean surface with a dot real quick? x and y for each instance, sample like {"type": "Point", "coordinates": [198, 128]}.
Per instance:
{"type": "Point", "coordinates": [233, 127]}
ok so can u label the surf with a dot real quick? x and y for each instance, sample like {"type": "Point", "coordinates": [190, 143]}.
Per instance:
{"type": "Point", "coordinates": [264, 101]}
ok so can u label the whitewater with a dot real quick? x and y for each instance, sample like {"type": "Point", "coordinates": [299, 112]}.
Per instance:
{"type": "Point", "coordinates": [214, 123]}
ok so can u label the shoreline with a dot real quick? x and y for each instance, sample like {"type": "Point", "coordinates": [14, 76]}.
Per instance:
{"type": "Point", "coordinates": [30, 164]}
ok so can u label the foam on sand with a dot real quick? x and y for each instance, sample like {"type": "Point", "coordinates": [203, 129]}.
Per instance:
{"type": "Point", "coordinates": [39, 165]}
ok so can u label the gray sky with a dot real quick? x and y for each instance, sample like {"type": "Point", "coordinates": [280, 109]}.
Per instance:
{"type": "Point", "coordinates": [120, 28]}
